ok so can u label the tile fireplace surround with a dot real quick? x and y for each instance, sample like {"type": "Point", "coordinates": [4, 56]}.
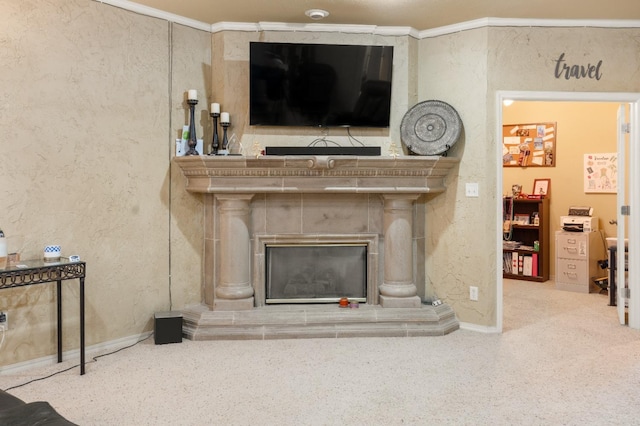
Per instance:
{"type": "Point", "coordinates": [250, 202]}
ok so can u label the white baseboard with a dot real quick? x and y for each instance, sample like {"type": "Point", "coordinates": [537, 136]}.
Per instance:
{"type": "Point", "coordinates": [113, 345]}
{"type": "Point", "coordinates": [479, 328]}
{"type": "Point", "coordinates": [74, 354]}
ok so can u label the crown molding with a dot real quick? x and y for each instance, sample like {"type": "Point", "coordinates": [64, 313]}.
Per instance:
{"type": "Point", "coordinates": [559, 23]}
{"type": "Point", "coordinates": [454, 28]}
{"type": "Point", "coordinates": [234, 26]}
{"type": "Point", "coordinates": [521, 22]}
{"type": "Point", "coordinates": [156, 13]}
{"type": "Point", "coordinates": [314, 27]}
{"type": "Point", "coordinates": [370, 29]}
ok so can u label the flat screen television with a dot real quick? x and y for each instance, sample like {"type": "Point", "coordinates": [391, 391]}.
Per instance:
{"type": "Point", "coordinates": [325, 85]}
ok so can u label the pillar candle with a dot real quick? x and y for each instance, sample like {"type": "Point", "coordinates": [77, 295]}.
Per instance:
{"type": "Point", "coordinates": [224, 117]}
{"type": "Point", "coordinates": [193, 94]}
{"type": "Point", "coordinates": [215, 108]}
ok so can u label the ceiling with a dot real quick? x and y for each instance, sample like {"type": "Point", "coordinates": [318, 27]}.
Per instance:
{"type": "Point", "coordinates": [417, 14]}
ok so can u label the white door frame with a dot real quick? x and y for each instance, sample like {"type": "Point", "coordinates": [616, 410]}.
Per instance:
{"type": "Point", "coordinates": [633, 172]}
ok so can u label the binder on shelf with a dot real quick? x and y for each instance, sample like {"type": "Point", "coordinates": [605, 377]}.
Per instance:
{"type": "Point", "coordinates": [527, 265]}
{"type": "Point", "coordinates": [514, 262]}
{"type": "Point", "coordinates": [506, 263]}
{"type": "Point", "coordinates": [520, 264]}
{"type": "Point", "coordinates": [534, 264]}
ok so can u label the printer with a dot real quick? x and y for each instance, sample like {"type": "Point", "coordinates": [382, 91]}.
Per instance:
{"type": "Point", "coordinates": [579, 219]}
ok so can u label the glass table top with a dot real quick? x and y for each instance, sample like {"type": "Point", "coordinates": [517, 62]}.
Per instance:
{"type": "Point", "coordinates": [25, 265]}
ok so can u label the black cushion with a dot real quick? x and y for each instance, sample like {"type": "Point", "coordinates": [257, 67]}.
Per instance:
{"type": "Point", "coordinates": [34, 413]}
{"type": "Point", "coordinates": [8, 401]}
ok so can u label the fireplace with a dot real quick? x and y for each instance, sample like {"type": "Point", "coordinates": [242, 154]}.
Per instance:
{"type": "Point", "coordinates": [256, 207]}
{"type": "Point", "coordinates": [315, 273]}
{"type": "Point", "coordinates": [351, 259]}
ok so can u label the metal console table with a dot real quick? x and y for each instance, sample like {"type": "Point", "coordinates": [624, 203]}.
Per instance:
{"type": "Point", "coordinates": [33, 272]}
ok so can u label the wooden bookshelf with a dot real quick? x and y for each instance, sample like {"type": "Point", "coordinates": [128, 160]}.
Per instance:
{"type": "Point", "coordinates": [527, 235]}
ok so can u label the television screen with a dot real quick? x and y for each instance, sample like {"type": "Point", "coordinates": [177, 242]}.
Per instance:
{"type": "Point", "coordinates": [323, 85]}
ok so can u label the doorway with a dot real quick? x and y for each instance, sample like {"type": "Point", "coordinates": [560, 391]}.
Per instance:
{"type": "Point", "coordinates": [609, 210]}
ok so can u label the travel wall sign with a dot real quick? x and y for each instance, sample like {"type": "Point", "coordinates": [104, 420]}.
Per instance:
{"type": "Point", "coordinates": [568, 71]}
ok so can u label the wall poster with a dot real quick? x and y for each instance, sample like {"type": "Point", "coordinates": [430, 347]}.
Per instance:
{"type": "Point", "coordinates": [529, 145]}
{"type": "Point", "coordinates": [601, 172]}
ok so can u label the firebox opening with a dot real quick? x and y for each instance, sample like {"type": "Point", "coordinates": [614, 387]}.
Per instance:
{"type": "Point", "coordinates": [321, 273]}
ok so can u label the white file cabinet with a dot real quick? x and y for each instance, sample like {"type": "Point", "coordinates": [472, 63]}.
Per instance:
{"type": "Point", "coordinates": [577, 255]}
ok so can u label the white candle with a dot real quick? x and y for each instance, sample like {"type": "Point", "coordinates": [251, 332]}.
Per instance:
{"type": "Point", "coordinates": [193, 94]}
{"type": "Point", "coordinates": [215, 108]}
{"type": "Point", "coordinates": [224, 117]}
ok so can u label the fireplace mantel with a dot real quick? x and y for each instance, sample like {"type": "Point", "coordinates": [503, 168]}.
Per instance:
{"type": "Point", "coordinates": [318, 199]}
{"type": "Point", "coordinates": [316, 174]}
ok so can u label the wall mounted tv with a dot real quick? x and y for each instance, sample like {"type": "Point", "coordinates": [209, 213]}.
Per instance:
{"type": "Point", "coordinates": [325, 85]}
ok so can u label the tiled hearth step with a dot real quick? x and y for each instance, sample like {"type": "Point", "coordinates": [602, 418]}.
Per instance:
{"type": "Point", "coordinates": [318, 321]}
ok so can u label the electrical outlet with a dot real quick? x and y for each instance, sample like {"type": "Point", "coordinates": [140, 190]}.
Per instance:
{"type": "Point", "coordinates": [471, 189]}
{"type": "Point", "coordinates": [4, 320]}
{"type": "Point", "coordinates": [473, 293]}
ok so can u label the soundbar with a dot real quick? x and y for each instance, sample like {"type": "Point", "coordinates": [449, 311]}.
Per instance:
{"type": "Point", "coordinates": [323, 150]}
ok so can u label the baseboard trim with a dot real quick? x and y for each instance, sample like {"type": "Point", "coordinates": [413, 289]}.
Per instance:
{"type": "Point", "coordinates": [479, 328]}
{"type": "Point", "coordinates": [74, 354]}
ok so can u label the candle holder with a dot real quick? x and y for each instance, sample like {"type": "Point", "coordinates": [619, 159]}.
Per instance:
{"type": "Point", "coordinates": [225, 141]}
{"type": "Point", "coordinates": [214, 142]}
{"type": "Point", "coordinates": [193, 141]}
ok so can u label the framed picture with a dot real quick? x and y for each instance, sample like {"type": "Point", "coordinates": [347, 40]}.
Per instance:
{"type": "Point", "coordinates": [541, 187]}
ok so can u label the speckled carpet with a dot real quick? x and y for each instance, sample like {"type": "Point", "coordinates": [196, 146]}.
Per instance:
{"type": "Point", "coordinates": [562, 359]}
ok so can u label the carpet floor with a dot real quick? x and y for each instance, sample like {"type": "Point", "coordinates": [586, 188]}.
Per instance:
{"type": "Point", "coordinates": [563, 359]}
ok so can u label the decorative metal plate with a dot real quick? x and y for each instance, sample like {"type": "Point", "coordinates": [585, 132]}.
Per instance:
{"type": "Point", "coordinates": [430, 128]}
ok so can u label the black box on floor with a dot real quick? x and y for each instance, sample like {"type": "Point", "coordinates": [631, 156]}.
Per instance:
{"type": "Point", "coordinates": [167, 327]}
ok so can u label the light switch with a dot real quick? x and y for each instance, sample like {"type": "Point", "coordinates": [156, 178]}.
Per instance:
{"type": "Point", "coordinates": [471, 190]}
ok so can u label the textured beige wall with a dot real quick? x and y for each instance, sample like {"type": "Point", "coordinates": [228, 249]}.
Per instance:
{"type": "Point", "coordinates": [524, 59]}
{"type": "Point", "coordinates": [466, 69]}
{"type": "Point", "coordinates": [459, 229]}
{"type": "Point", "coordinates": [90, 104]}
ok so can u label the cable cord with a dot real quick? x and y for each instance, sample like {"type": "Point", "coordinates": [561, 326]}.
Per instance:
{"type": "Point", "coordinates": [324, 141]}
{"type": "Point", "coordinates": [507, 215]}
{"type": "Point", "coordinates": [171, 164]}
{"type": "Point", "coordinates": [3, 333]}
{"type": "Point", "coordinates": [604, 240]}
{"type": "Point", "coordinates": [93, 359]}
{"type": "Point", "coordinates": [353, 138]}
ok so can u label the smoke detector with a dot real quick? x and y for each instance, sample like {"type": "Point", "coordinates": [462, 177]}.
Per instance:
{"type": "Point", "coordinates": [316, 14]}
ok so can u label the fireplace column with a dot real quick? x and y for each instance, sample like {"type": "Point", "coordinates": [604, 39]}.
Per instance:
{"type": "Point", "coordinates": [398, 289]}
{"type": "Point", "coordinates": [234, 290]}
